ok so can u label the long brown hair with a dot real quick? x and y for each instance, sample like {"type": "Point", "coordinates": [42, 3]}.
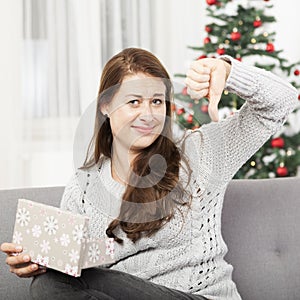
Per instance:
{"type": "Point", "coordinates": [163, 191]}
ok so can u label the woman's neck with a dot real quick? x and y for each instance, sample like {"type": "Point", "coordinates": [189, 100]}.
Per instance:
{"type": "Point", "coordinates": [121, 160]}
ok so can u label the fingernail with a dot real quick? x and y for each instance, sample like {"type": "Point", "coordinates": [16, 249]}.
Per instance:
{"type": "Point", "coordinates": [18, 248]}
{"type": "Point", "coordinates": [33, 267]}
{"type": "Point", "coordinates": [26, 258]}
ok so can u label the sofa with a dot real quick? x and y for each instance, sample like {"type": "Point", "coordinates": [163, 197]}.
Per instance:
{"type": "Point", "coordinates": [261, 226]}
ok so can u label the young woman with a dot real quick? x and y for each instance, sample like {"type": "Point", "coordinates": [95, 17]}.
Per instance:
{"type": "Point", "coordinates": [159, 199]}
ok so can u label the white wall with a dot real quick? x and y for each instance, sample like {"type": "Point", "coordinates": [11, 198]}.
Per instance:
{"type": "Point", "coordinates": [287, 27]}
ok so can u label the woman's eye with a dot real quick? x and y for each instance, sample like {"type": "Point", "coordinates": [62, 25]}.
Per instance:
{"type": "Point", "coordinates": [157, 101]}
{"type": "Point", "coordinates": [134, 102]}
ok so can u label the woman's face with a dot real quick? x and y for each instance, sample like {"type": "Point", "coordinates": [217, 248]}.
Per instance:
{"type": "Point", "coordinates": [137, 112]}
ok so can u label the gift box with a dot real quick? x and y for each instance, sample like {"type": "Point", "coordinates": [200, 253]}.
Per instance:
{"type": "Point", "coordinates": [59, 239]}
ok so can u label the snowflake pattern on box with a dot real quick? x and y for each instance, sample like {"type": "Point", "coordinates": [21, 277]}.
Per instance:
{"type": "Point", "coordinates": [59, 239]}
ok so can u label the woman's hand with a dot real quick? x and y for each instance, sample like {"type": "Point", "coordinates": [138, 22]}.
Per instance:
{"type": "Point", "coordinates": [206, 78]}
{"type": "Point", "coordinates": [20, 263]}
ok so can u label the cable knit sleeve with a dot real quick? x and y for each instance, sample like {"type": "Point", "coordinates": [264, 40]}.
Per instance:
{"type": "Point", "coordinates": [223, 147]}
{"type": "Point", "coordinates": [72, 196]}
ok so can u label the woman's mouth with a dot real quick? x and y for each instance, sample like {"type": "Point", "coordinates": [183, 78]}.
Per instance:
{"type": "Point", "coordinates": [144, 129]}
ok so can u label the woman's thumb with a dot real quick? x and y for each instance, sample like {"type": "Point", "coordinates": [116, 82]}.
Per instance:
{"type": "Point", "coordinates": [217, 84]}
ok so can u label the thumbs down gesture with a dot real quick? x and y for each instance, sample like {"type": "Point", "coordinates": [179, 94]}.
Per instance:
{"type": "Point", "coordinates": [206, 78]}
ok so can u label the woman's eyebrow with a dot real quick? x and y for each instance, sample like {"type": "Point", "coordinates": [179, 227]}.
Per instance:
{"type": "Point", "coordinates": [140, 96]}
{"type": "Point", "coordinates": [133, 95]}
{"type": "Point", "coordinates": [158, 95]}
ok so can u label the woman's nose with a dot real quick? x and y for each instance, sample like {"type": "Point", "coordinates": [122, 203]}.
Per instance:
{"type": "Point", "coordinates": [146, 113]}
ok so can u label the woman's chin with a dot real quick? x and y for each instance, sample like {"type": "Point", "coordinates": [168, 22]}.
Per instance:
{"type": "Point", "coordinates": [144, 141]}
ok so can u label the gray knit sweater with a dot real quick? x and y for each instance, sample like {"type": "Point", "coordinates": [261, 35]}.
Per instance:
{"type": "Point", "coordinates": [189, 255]}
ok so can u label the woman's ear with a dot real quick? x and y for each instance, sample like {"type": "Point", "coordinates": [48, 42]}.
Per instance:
{"type": "Point", "coordinates": [104, 110]}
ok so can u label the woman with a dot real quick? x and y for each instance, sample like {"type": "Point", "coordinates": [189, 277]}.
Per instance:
{"type": "Point", "coordinates": [167, 229]}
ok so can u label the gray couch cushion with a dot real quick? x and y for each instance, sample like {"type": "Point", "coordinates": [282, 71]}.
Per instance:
{"type": "Point", "coordinates": [261, 226]}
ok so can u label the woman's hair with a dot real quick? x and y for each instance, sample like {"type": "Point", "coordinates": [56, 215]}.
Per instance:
{"type": "Point", "coordinates": [163, 191]}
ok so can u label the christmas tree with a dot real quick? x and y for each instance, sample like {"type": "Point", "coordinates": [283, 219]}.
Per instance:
{"type": "Point", "coordinates": [242, 34]}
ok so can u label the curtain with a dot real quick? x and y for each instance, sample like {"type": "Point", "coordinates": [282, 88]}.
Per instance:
{"type": "Point", "coordinates": [66, 45]}
{"type": "Point", "coordinates": [10, 93]}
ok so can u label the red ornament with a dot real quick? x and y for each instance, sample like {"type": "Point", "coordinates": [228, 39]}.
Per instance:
{"type": "Point", "coordinates": [299, 97]}
{"type": "Point", "coordinates": [208, 29]}
{"type": "Point", "coordinates": [204, 108]}
{"type": "Point", "coordinates": [221, 51]}
{"type": "Point", "coordinates": [211, 2]}
{"type": "Point", "coordinates": [257, 23]}
{"type": "Point", "coordinates": [201, 56]}
{"type": "Point", "coordinates": [190, 118]}
{"type": "Point", "coordinates": [282, 171]}
{"type": "Point", "coordinates": [238, 58]}
{"type": "Point", "coordinates": [235, 35]}
{"type": "Point", "coordinates": [180, 111]}
{"type": "Point", "coordinates": [207, 40]}
{"type": "Point", "coordinates": [277, 143]}
{"type": "Point", "coordinates": [297, 72]}
{"type": "Point", "coordinates": [270, 47]}
{"type": "Point", "coordinates": [184, 91]}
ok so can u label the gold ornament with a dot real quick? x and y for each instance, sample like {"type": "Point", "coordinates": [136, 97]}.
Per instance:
{"type": "Point", "coordinates": [253, 163]}
{"type": "Point", "coordinates": [241, 23]}
{"type": "Point", "coordinates": [265, 34]}
{"type": "Point", "coordinates": [225, 92]}
{"type": "Point", "coordinates": [227, 42]}
{"type": "Point", "coordinates": [253, 41]}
